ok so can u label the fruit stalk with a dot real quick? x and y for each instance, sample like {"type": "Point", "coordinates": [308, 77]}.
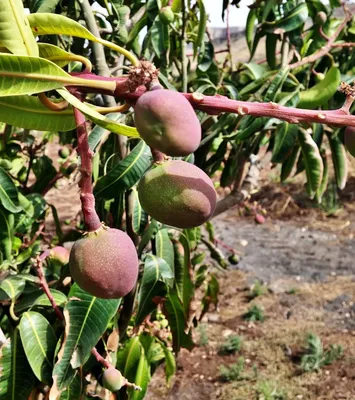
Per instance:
{"type": "Point", "coordinates": [87, 198]}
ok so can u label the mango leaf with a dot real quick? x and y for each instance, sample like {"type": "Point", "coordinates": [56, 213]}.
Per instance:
{"type": "Point", "coordinates": [11, 287]}
{"type": "Point", "coordinates": [295, 18]}
{"type": "Point", "coordinates": [276, 84]}
{"type": "Point", "coordinates": [249, 30]}
{"type": "Point", "coordinates": [160, 38]}
{"type": "Point", "coordinates": [98, 132]}
{"type": "Point", "coordinates": [340, 160]}
{"type": "Point", "coordinates": [6, 233]}
{"type": "Point", "coordinates": [170, 364]}
{"type": "Point", "coordinates": [15, 32]}
{"type": "Point", "coordinates": [137, 216]}
{"type": "Point", "coordinates": [312, 160]}
{"type": "Point", "coordinates": [74, 390]}
{"type": "Point", "coordinates": [96, 117]}
{"type": "Point", "coordinates": [175, 314]}
{"type": "Point", "coordinates": [285, 139]}
{"type": "Point", "coordinates": [323, 187]}
{"type": "Point", "coordinates": [289, 163]}
{"type": "Point", "coordinates": [183, 273]}
{"type": "Point", "coordinates": [8, 193]}
{"type": "Point", "coordinates": [125, 174]}
{"type": "Point", "coordinates": [202, 23]}
{"type": "Point", "coordinates": [16, 378]}
{"type": "Point", "coordinates": [40, 299]}
{"type": "Point", "coordinates": [148, 235]}
{"type": "Point", "coordinates": [142, 378]}
{"type": "Point", "coordinates": [21, 75]}
{"type": "Point", "coordinates": [39, 341]}
{"type": "Point", "coordinates": [155, 276]}
{"type": "Point", "coordinates": [43, 6]}
{"type": "Point", "coordinates": [128, 358]}
{"type": "Point", "coordinates": [51, 53]}
{"type": "Point", "coordinates": [86, 319]}
{"type": "Point", "coordinates": [164, 248]}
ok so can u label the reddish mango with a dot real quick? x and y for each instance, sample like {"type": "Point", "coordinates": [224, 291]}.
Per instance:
{"type": "Point", "coordinates": [112, 379]}
{"type": "Point", "coordinates": [105, 263]}
{"type": "Point", "coordinates": [167, 122]}
{"type": "Point", "coordinates": [177, 193]}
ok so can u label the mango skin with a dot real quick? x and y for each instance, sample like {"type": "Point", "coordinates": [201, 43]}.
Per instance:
{"type": "Point", "coordinates": [349, 139]}
{"type": "Point", "coordinates": [59, 254]}
{"type": "Point", "coordinates": [105, 263]}
{"type": "Point", "coordinates": [177, 193]}
{"type": "Point", "coordinates": [167, 122]}
{"type": "Point", "coordinates": [112, 379]}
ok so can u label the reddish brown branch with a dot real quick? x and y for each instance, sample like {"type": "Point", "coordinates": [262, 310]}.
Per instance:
{"type": "Point", "coordinates": [100, 359]}
{"type": "Point", "coordinates": [87, 198]}
{"type": "Point", "coordinates": [326, 48]}
{"type": "Point", "coordinates": [44, 285]}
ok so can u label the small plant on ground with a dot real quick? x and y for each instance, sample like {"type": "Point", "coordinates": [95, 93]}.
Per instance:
{"type": "Point", "coordinates": [203, 339]}
{"type": "Point", "coordinates": [257, 289]}
{"type": "Point", "coordinates": [268, 390]}
{"type": "Point", "coordinates": [232, 344]}
{"type": "Point", "coordinates": [316, 357]}
{"type": "Point", "coordinates": [254, 313]}
{"type": "Point", "coordinates": [233, 372]}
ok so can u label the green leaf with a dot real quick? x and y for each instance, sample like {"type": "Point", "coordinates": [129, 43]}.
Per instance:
{"type": "Point", "coordinates": [8, 193]}
{"type": "Point", "coordinates": [51, 52]}
{"type": "Point", "coordinates": [16, 378]}
{"type": "Point", "coordinates": [148, 235]}
{"type": "Point", "coordinates": [276, 84]}
{"type": "Point", "coordinates": [160, 38]}
{"type": "Point", "coordinates": [28, 75]}
{"type": "Point", "coordinates": [249, 30]}
{"type": "Point", "coordinates": [165, 248]}
{"type": "Point", "coordinates": [44, 6]}
{"type": "Point", "coordinates": [96, 117]}
{"type": "Point", "coordinates": [86, 319]}
{"type": "Point", "coordinates": [170, 364]}
{"type": "Point", "coordinates": [40, 299]}
{"type": "Point", "coordinates": [340, 160]}
{"type": "Point", "coordinates": [295, 18]}
{"type": "Point", "coordinates": [142, 378]}
{"type": "Point", "coordinates": [202, 23]}
{"type": "Point", "coordinates": [11, 287]}
{"type": "Point", "coordinates": [285, 139]}
{"type": "Point", "coordinates": [312, 160]}
{"type": "Point", "coordinates": [322, 91]}
{"type": "Point", "coordinates": [176, 317]}
{"type": "Point", "coordinates": [15, 32]}
{"type": "Point", "coordinates": [323, 187]}
{"type": "Point", "coordinates": [128, 358]}
{"type": "Point", "coordinates": [98, 132]}
{"type": "Point", "coordinates": [125, 174]}
{"type": "Point", "coordinates": [155, 276]}
{"type": "Point", "coordinates": [39, 341]}
{"type": "Point", "coordinates": [6, 233]}
{"type": "Point", "coordinates": [74, 390]}
{"type": "Point", "coordinates": [271, 49]}
{"type": "Point", "coordinates": [137, 216]}
{"type": "Point", "coordinates": [289, 163]}
{"type": "Point", "coordinates": [183, 273]}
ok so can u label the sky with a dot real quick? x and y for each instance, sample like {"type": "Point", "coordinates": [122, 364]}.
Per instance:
{"type": "Point", "coordinates": [238, 16]}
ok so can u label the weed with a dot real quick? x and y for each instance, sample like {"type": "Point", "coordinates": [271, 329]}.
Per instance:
{"type": "Point", "coordinates": [233, 372]}
{"type": "Point", "coordinates": [330, 202]}
{"type": "Point", "coordinates": [257, 289]}
{"type": "Point", "coordinates": [232, 344]}
{"type": "Point", "coordinates": [254, 313]}
{"type": "Point", "coordinates": [203, 339]}
{"type": "Point", "coordinates": [268, 391]}
{"type": "Point", "coordinates": [316, 357]}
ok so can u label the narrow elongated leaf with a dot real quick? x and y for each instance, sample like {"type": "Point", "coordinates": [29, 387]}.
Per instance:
{"type": "Point", "coordinates": [51, 53]}
{"type": "Point", "coordinates": [16, 377]}
{"type": "Point", "coordinates": [142, 377]}
{"type": "Point", "coordinates": [285, 139]}
{"type": "Point", "coordinates": [289, 163]}
{"type": "Point", "coordinates": [86, 319]}
{"type": "Point", "coordinates": [39, 341]}
{"type": "Point", "coordinates": [170, 364]}
{"type": "Point", "coordinates": [15, 32]}
{"type": "Point", "coordinates": [137, 216]}
{"type": "Point", "coordinates": [202, 23]}
{"type": "Point", "coordinates": [160, 38]}
{"type": "Point", "coordinates": [128, 358]}
{"type": "Point", "coordinates": [125, 174]}
{"type": "Point", "coordinates": [40, 299]}
{"type": "Point", "coordinates": [165, 248]}
{"type": "Point", "coordinates": [74, 390]}
{"type": "Point", "coordinates": [176, 317]}
{"type": "Point", "coordinates": [340, 160]}
{"type": "Point", "coordinates": [148, 235]}
{"type": "Point", "coordinates": [155, 276]}
{"type": "Point", "coordinates": [312, 160]}
{"type": "Point", "coordinates": [94, 116]}
{"type": "Point", "coordinates": [29, 113]}
{"type": "Point", "coordinates": [276, 84]}
{"type": "Point", "coordinates": [98, 132]}
{"type": "Point", "coordinates": [291, 21]}
{"type": "Point", "coordinates": [6, 233]}
{"type": "Point", "coordinates": [323, 187]}
{"type": "Point", "coordinates": [43, 6]}
{"type": "Point", "coordinates": [8, 193]}
{"type": "Point", "coordinates": [11, 287]}
{"type": "Point", "coordinates": [249, 30]}
{"type": "Point", "coordinates": [183, 273]}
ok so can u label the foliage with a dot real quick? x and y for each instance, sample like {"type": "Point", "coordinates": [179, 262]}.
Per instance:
{"type": "Point", "coordinates": [45, 52]}
{"type": "Point", "coordinates": [232, 344]}
{"type": "Point", "coordinates": [257, 289]}
{"type": "Point", "coordinates": [233, 372]}
{"type": "Point", "coordinates": [268, 391]}
{"type": "Point", "coordinates": [316, 357]}
{"type": "Point", "coordinates": [254, 313]}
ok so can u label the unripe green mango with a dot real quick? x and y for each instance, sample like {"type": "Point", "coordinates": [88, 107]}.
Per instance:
{"type": "Point", "coordinates": [166, 15]}
{"type": "Point", "coordinates": [167, 122]}
{"type": "Point", "coordinates": [104, 263]}
{"type": "Point", "coordinates": [177, 193]}
{"type": "Point", "coordinates": [112, 379]}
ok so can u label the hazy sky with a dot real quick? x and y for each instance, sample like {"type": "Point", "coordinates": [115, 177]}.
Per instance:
{"type": "Point", "coordinates": [238, 16]}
